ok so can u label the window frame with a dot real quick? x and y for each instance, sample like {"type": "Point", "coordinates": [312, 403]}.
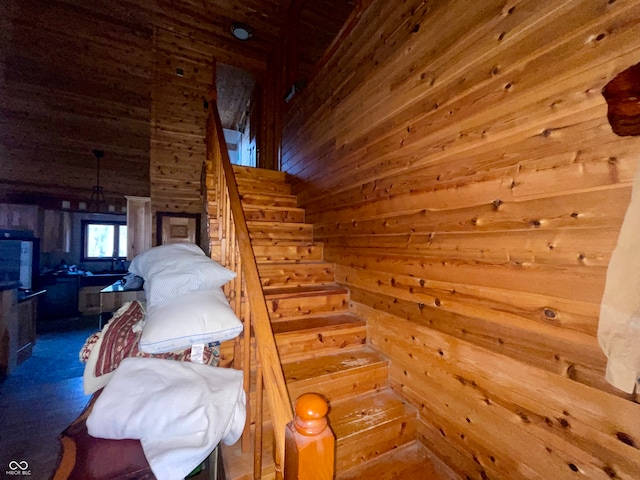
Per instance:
{"type": "Point", "coordinates": [116, 241]}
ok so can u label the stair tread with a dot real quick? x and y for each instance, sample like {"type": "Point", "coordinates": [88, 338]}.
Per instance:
{"type": "Point", "coordinates": [410, 461]}
{"type": "Point", "coordinates": [320, 322]}
{"type": "Point", "coordinates": [287, 291]}
{"type": "Point", "coordinates": [331, 365]}
{"type": "Point", "coordinates": [368, 411]}
{"type": "Point", "coordinates": [253, 172]}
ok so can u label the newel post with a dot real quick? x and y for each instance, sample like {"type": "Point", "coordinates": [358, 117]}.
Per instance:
{"type": "Point", "coordinates": [309, 442]}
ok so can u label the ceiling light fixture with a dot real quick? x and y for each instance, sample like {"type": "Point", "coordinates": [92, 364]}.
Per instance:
{"type": "Point", "coordinates": [241, 31]}
{"type": "Point", "coordinates": [97, 194]}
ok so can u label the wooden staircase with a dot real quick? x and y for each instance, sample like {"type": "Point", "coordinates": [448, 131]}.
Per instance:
{"type": "Point", "coordinates": [322, 346]}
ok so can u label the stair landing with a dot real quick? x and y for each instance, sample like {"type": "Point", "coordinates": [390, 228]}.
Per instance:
{"type": "Point", "coordinates": [411, 461]}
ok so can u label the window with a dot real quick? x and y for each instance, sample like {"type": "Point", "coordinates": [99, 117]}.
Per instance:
{"type": "Point", "coordinates": [104, 240]}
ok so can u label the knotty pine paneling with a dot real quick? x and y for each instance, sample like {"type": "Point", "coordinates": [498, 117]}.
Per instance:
{"type": "Point", "coordinates": [179, 116]}
{"type": "Point", "coordinates": [178, 121]}
{"type": "Point", "coordinates": [456, 161]}
{"type": "Point", "coordinates": [73, 82]}
{"type": "Point", "coordinates": [78, 77]}
{"type": "Point", "coordinates": [316, 30]}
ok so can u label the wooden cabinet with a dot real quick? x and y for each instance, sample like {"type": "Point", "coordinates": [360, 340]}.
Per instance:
{"type": "Point", "coordinates": [89, 300]}
{"type": "Point", "coordinates": [138, 225]}
{"type": "Point", "coordinates": [56, 231]}
{"type": "Point", "coordinates": [17, 329]}
{"type": "Point", "coordinates": [90, 287]}
{"type": "Point", "coordinates": [53, 227]}
{"type": "Point", "coordinates": [27, 317]}
{"type": "Point", "coordinates": [113, 297]}
{"type": "Point", "coordinates": [8, 330]}
{"type": "Point", "coordinates": [21, 217]}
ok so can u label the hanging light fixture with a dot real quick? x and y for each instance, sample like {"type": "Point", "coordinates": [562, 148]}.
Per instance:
{"type": "Point", "coordinates": [241, 31]}
{"type": "Point", "coordinates": [97, 195]}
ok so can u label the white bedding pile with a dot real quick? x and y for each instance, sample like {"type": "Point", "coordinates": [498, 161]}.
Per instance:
{"type": "Point", "coordinates": [179, 411]}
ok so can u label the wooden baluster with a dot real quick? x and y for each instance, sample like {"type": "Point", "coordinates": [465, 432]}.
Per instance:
{"type": "Point", "coordinates": [309, 443]}
{"type": "Point", "coordinates": [257, 441]}
{"type": "Point", "coordinates": [278, 465]}
{"type": "Point", "coordinates": [246, 368]}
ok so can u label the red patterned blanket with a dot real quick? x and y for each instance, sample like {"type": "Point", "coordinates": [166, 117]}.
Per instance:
{"type": "Point", "coordinates": [120, 339]}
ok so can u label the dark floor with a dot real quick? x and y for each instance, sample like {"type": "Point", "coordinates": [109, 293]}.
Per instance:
{"type": "Point", "coordinates": [42, 396]}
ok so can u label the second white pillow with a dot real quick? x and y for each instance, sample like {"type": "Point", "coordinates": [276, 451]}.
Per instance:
{"type": "Point", "coordinates": [198, 317]}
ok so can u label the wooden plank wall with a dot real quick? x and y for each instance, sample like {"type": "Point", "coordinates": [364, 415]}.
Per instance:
{"type": "Point", "coordinates": [79, 76]}
{"type": "Point", "coordinates": [179, 121]}
{"type": "Point", "coordinates": [73, 80]}
{"type": "Point", "coordinates": [457, 162]}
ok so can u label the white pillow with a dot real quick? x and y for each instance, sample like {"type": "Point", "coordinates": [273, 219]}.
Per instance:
{"type": "Point", "coordinates": [199, 317]}
{"type": "Point", "coordinates": [177, 269]}
{"type": "Point", "coordinates": [179, 410]}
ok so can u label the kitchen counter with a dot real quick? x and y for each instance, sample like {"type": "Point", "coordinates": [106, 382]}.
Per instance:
{"type": "Point", "coordinates": [100, 279]}
{"type": "Point", "coordinates": [84, 280]}
{"type": "Point", "coordinates": [71, 294]}
{"type": "Point", "coordinates": [23, 296]}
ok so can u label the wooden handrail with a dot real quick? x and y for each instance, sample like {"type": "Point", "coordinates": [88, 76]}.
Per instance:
{"type": "Point", "coordinates": [273, 377]}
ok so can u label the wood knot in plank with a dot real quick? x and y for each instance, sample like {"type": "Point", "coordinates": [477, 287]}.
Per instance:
{"type": "Point", "coordinates": [626, 438]}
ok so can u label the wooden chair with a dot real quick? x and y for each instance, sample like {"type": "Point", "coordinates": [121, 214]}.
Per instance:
{"type": "Point", "coordinates": [84, 457]}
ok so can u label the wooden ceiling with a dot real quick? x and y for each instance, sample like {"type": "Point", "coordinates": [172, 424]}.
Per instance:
{"type": "Point", "coordinates": [315, 24]}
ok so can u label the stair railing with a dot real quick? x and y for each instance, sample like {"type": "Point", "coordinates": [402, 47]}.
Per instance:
{"type": "Point", "coordinates": [236, 253]}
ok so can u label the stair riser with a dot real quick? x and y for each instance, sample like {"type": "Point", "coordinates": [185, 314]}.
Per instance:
{"type": "Point", "coordinates": [368, 445]}
{"type": "Point", "coordinates": [263, 187]}
{"type": "Point", "coordinates": [291, 232]}
{"type": "Point", "coordinates": [266, 215]}
{"type": "Point", "coordinates": [339, 386]}
{"type": "Point", "coordinates": [298, 346]}
{"type": "Point", "coordinates": [269, 200]}
{"type": "Point", "coordinates": [283, 253]}
{"type": "Point", "coordinates": [296, 274]}
{"type": "Point", "coordinates": [298, 307]}
{"type": "Point", "coordinates": [258, 174]}
{"type": "Point", "coordinates": [302, 345]}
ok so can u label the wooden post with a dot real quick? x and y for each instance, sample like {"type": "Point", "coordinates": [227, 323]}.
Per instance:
{"type": "Point", "coordinates": [309, 443]}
